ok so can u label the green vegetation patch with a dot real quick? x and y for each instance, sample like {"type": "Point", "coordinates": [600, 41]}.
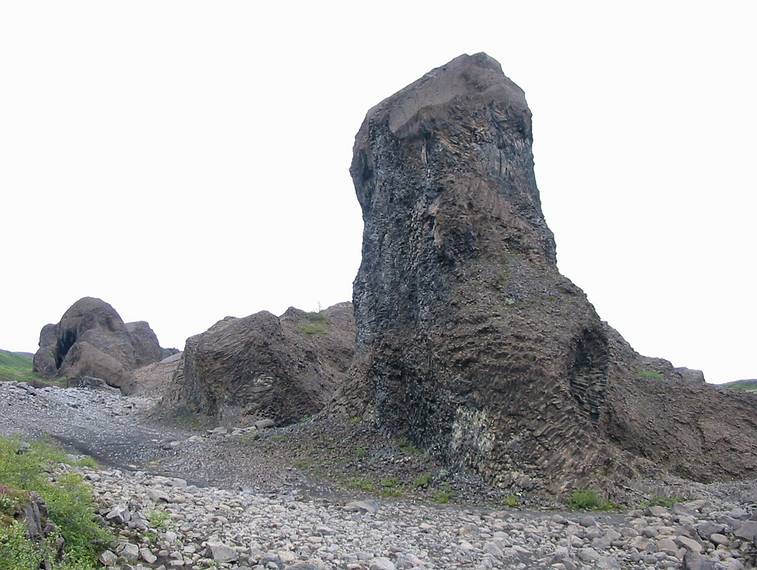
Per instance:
{"type": "Point", "coordinates": [407, 447]}
{"type": "Point", "coordinates": [589, 500]}
{"type": "Point", "coordinates": [650, 375]}
{"type": "Point", "coordinates": [511, 501]}
{"type": "Point", "coordinates": [423, 481]}
{"type": "Point", "coordinates": [663, 501]}
{"type": "Point", "coordinates": [69, 502]}
{"type": "Point", "coordinates": [18, 368]}
{"type": "Point", "coordinates": [444, 495]}
{"type": "Point", "coordinates": [317, 323]}
{"type": "Point", "coordinates": [742, 385]}
{"type": "Point", "coordinates": [361, 484]}
{"type": "Point", "coordinates": [160, 519]}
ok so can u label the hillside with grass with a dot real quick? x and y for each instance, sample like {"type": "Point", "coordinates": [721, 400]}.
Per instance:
{"type": "Point", "coordinates": [742, 385]}
{"type": "Point", "coordinates": [16, 366]}
{"type": "Point", "coordinates": [29, 471]}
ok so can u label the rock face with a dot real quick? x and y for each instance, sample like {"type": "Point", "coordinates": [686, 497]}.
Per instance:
{"type": "Point", "coordinates": [91, 339]}
{"type": "Point", "coordinates": [155, 378]}
{"type": "Point", "coordinates": [263, 366]}
{"type": "Point", "coordinates": [469, 341]}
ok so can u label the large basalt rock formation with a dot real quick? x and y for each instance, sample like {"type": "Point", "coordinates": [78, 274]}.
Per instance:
{"type": "Point", "coordinates": [92, 339]}
{"type": "Point", "coordinates": [265, 367]}
{"type": "Point", "coordinates": [469, 340]}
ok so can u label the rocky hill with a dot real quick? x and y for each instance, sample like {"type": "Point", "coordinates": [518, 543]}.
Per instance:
{"type": "Point", "coordinates": [92, 340]}
{"type": "Point", "coordinates": [265, 367]}
{"type": "Point", "coordinates": [471, 344]}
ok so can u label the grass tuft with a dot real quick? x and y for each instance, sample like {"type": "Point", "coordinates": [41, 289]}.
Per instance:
{"type": "Point", "coordinates": [444, 495]}
{"type": "Point", "coordinates": [512, 502]}
{"type": "Point", "coordinates": [423, 481]}
{"type": "Point", "coordinates": [589, 500]}
{"type": "Point", "coordinates": [317, 323]}
{"type": "Point", "coordinates": [160, 520]}
{"type": "Point", "coordinates": [663, 501]}
{"type": "Point", "coordinates": [650, 375]}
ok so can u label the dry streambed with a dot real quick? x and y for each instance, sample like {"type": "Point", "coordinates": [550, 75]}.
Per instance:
{"type": "Point", "coordinates": [262, 519]}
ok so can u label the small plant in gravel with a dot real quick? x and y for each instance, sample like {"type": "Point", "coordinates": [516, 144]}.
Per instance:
{"type": "Point", "coordinates": [589, 500]}
{"type": "Point", "coordinates": [249, 438]}
{"type": "Point", "coordinates": [360, 452]}
{"type": "Point", "coordinates": [663, 501]}
{"type": "Point", "coordinates": [160, 520]}
{"type": "Point", "coordinates": [444, 495]}
{"type": "Point", "coordinates": [423, 481]}
{"type": "Point", "coordinates": [391, 488]}
{"type": "Point", "coordinates": [407, 447]}
{"type": "Point", "coordinates": [361, 484]}
{"type": "Point", "coordinates": [511, 501]}
{"type": "Point", "coordinates": [87, 462]}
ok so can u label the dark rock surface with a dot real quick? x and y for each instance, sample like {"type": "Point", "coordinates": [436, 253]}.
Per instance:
{"type": "Point", "coordinates": [262, 366]}
{"type": "Point", "coordinates": [92, 340]}
{"type": "Point", "coordinates": [471, 343]}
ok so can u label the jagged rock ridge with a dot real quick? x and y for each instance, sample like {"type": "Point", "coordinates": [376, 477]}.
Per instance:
{"type": "Point", "coordinates": [265, 367]}
{"type": "Point", "coordinates": [469, 340]}
{"type": "Point", "coordinates": [92, 340]}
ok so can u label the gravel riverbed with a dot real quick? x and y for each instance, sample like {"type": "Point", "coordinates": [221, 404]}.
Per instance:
{"type": "Point", "coordinates": [167, 493]}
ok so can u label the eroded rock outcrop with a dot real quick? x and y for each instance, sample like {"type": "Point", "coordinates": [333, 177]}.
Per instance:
{"type": "Point", "coordinates": [262, 366]}
{"type": "Point", "coordinates": [469, 340]}
{"type": "Point", "coordinates": [92, 339]}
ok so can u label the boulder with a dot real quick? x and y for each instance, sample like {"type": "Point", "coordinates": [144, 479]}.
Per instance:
{"type": "Point", "coordinates": [145, 342]}
{"type": "Point", "coordinates": [470, 343]}
{"type": "Point", "coordinates": [44, 361]}
{"type": "Point", "coordinates": [91, 339]}
{"type": "Point", "coordinates": [156, 377]}
{"type": "Point", "coordinates": [264, 367]}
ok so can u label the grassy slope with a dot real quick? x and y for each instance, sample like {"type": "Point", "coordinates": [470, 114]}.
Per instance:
{"type": "Point", "coordinates": [742, 385]}
{"type": "Point", "coordinates": [69, 501]}
{"type": "Point", "coordinates": [16, 367]}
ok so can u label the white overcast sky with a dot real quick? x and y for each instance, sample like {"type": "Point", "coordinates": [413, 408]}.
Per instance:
{"type": "Point", "coordinates": [189, 160]}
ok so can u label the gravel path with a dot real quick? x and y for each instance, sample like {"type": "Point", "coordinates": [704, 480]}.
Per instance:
{"type": "Point", "coordinates": [169, 494]}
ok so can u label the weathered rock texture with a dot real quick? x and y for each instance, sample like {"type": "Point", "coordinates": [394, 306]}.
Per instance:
{"type": "Point", "coordinates": [263, 366]}
{"type": "Point", "coordinates": [469, 340]}
{"type": "Point", "coordinates": [91, 339]}
{"type": "Point", "coordinates": [155, 378]}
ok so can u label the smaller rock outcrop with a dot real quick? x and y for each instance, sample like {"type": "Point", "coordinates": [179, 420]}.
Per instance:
{"type": "Point", "coordinates": [92, 340]}
{"type": "Point", "coordinates": [263, 366]}
{"type": "Point", "coordinates": [154, 378]}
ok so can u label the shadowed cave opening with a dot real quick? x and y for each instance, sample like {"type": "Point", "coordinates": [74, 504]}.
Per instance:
{"type": "Point", "coordinates": [65, 342]}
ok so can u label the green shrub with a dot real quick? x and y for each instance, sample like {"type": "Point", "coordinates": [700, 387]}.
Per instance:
{"type": "Point", "coordinates": [16, 550]}
{"type": "Point", "coordinates": [68, 498]}
{"type": "Point", "coordinates": [160, 520]}
{"type": "Point", "coordinates": [443, 495]}
{"type": "Point", "coordinates": [391, 488]}
{"type": "Point", "coordinates": [512, 501]}
{"type": "Point", "coordinates": [249, 438]}
{"type": "Point", "coordinates": [650, 375]}
{"type": "Point", "coordinates": [423, 481]}
{"type": "Point", "coordinates": [360, 452]}
{"type": "Point", "coordinates": [361, 484]}
{"type": "Point", "coordinates": [317, 323]}
{"type": "Point", "coordinates": [663, 501]}
{"type": "Point", "coordinates": [407, 447]}
{"type": "Point", "coordinates": [589, 500]}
